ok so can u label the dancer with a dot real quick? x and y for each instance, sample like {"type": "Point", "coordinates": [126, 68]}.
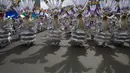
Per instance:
{"type": "Point", "coordinates": [27, 32]}
{"type": "Point", "coordinates": [55, 9]}
{"type": "Point", "coordinates": [103, 37]}
{"type": "Point", "coordinates": [78, 36]}
{"type": "Point", "coordinates": [121, 36]}
{"type": "Point", "coordinates": [91, 20]}
{"type": "Point", "coordinates": [4, 34]}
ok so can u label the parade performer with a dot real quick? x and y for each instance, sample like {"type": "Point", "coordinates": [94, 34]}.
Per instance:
{"type": "Point", "coordinates": [121, 36]}
{"type": "Point", "coordinates": [4, 35]}
{"type": "Point", "coordinates": [27, 31]}
{"type": "Point", "coordinates": [70, 18]}
{"type": "Point", "coordinates": [54, 12]}
{"type": "Point", "coordinates": [103, 37]}
{"type": "Point", "coordinates": [78, 36]}
{"type": "Point", "coordinates": [91, 18]}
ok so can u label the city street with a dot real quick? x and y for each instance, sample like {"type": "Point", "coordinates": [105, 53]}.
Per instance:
{"type": "Point", "coordinates": [43, 58]}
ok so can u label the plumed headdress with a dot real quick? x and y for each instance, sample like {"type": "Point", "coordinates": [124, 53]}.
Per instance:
{"type": "Point", "coordinates": [108, 6]}
{"type": "Point", "coordinates": [124, 5]}
{"type": "Point", "coordinates": [4, 5]}
{"type": "Point", "coordinates": [25, 6]}
{"type": "Point", "coordinates": [54, 5]}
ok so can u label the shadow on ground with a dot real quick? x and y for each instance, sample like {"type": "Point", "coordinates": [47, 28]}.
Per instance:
{"type": "Point", "coordinates": [16, 50]}
{"type": "Point", "coordinates": [109, 64]}
{"type": "Point", "coordinates": [38, 56]}
{"type": "Point", "coordinates": [72, 63]}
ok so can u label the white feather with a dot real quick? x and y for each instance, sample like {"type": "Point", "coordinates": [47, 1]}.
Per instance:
{"type": "Point", "coordinates": [101, 4]}
{"type": "Point", "coordinates": [124, 3]}
{"type": "Point", "coordinates": [48, 5]}
{"type": "Point", "coordinates": [111, 4]}
{"type": "Point", "coordinates": [74, 1]}
{"type": "Point", "coordinates": [17, 9]}
{"type": "Point", "coordinates": [27, 4]}
{"type": "Point", "coordinates": [79, 2]}
{"type": "Point", "coordinates": [6, 3]}
{"type": "Point", "coordinates": [9, 4]}
{"type": "Point", "coordinates": [113, 7]}
{"type": "Point", "coordinates": [51, 4]}
{"type": "Point", "coordinates": [54, 4]}
{"type": "Point", "coordinates": [57, 3]}
{"type": "Point", "coordinates": [86, 3]}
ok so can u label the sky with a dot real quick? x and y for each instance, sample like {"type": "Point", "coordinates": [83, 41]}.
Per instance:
{"type": "Point", "coordinates": [66, 3]}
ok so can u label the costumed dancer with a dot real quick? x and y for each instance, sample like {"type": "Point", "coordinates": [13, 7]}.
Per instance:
{"type": "Point", "coordinates": [65, 24]}
{"type": "Point", "coordinates": [4, 35]}
{"type": "Point", "coordinates": [62, 21]}
{"type": "Point", "coordinates": [72, 18]}
{"type": "Point", "coordinates": [39, 24]}
{"type": "Point", "coordinates": [103, 37]}
{"type": "Point", "coordinates": [27, 31]}
{"type": "Point", "coordinates": [78, 36]}
{"type": "Point", "coordinates": [39, 19]}
{"type": "Point", "coordinates": [55, 32]}
{"type": "Point", "coordinates": [73, 25]}
{"type": "Point", "coordinates": [42, 22]}
{"type": "Point", "coordinates": [122, 35]}
{"type": "Point", "coordinates": [66, 17]}
{"type": "Point", "coordinates": [90, 16]}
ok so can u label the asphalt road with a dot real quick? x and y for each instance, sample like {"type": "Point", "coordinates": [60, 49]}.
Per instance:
{"type": "Point", "coordinates": [43, 58]}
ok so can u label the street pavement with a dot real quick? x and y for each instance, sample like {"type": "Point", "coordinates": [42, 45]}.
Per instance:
{"type": "Point", "coordinates": [44, 58]}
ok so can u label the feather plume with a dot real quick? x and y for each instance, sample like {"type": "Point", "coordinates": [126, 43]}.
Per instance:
{"type": "Point", "coordinates": [79, 2]}
{"type": "Point", "coordinates": [27, 5]}
{"type": "Point", "coordinates": [6, 4]}
{"type": "Point", "coordinates": [52, 4]}
{"type": "Point", "coordinates": [108, 5]}
{"type": "Point", "coordinates": [17, 9]}
{"type": "Point", "coordinates": [48, 4]}
{"type": "Point", "coordinates": [124, 4]}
